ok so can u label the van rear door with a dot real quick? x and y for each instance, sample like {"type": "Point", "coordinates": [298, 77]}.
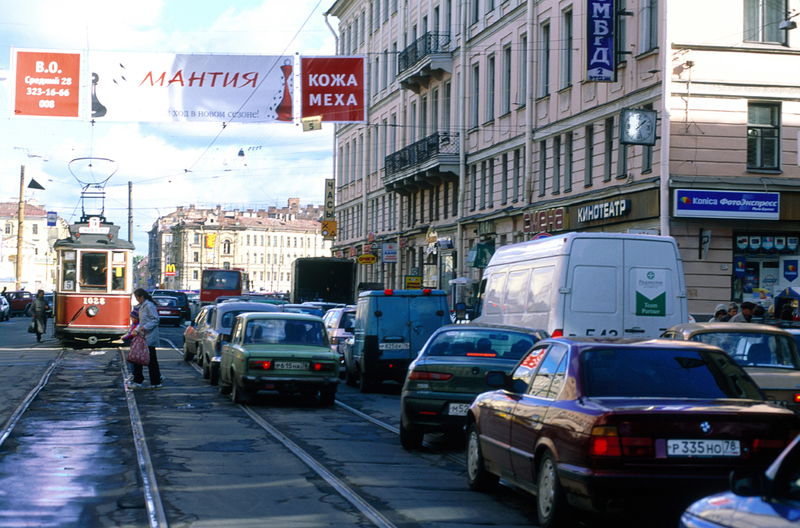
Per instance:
{"type": "Point", "coordinates": [593, 298]}
{"type": "Point", "coordinates": [426, 314]}
{"type": "Point", "coordinates": [654, 283]}
{"type": "Point", "coordinates": [391, 327]}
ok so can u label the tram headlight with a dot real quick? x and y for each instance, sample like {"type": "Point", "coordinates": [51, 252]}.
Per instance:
{"type": "Point", "coordinates": [92, 311]}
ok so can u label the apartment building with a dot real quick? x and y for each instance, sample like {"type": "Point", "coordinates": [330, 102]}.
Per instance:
{"type": "Point", "coordinates": [487, 125]}
{"type": "Point", "coordinates": [264, 243]}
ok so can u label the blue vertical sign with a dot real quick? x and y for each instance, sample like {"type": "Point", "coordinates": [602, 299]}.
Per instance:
{"type": "Point", "coordinates": [739, 264]}
{"type": "Point", "coordinates": [600, 57]}
{"type": "Point", "coordinates": [51, 218]}
{"type": "Point", "coordinates": [790, 270]}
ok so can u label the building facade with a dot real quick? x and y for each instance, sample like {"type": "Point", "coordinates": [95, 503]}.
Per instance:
{"type": "Point", "coordinates": [485, 127]}
{"type": "Point", "coordinates": [263, 243]}
{"type": "Point", "coordinates": [38, 257]}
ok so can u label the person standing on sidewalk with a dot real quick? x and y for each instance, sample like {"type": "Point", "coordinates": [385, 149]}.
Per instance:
{"type": "Point", "coordinates": [148, 328]}
{"type": "Point", "coordinates": [39, 314]}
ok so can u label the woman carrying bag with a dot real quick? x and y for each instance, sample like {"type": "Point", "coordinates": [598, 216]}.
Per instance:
{"type": "Point", "coordinates": [148, 328]}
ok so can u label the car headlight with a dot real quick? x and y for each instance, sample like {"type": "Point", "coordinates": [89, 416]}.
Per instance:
{"type": "Point", "coordinates": [92, 311]}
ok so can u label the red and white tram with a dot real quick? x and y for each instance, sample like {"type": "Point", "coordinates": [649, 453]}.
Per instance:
{"type": "Point", "coordinates": [92, 301]}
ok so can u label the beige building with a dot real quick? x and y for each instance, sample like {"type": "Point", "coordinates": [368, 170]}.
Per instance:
{"type": "Point", "coordinates": [38, 258]}
{"type": "Point", "coordinates": [485, 128]}
{"type": "Point", "coordinates": [264, 243]}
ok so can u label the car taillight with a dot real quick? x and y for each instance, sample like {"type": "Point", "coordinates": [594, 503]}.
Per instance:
{"type": "Point", "coordinates": [322, 367]}
{"type": "Point", "coordinates": [636, 446]}
{"type": "Point", "coordinates": [426, 291]}
{"type": "Point", "coordinates": [760, 445]}
{"type": "Point", "coordinates": [388, 292]}
{"type": "Point", "coordinates": [334, 340]}
{"type": "Point", "coordinates": [797, 397]}
{"type": "Point", "coordinates": [429, 376]}
{"type": "Point", "coordinates": [558, 333]}
{"type": "Point", "coordinates": [260, 365]}
{"type": "Point", "coordinates": [604, 441]}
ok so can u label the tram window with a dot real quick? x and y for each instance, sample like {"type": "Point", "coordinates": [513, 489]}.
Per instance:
{"type": "Point", "coordinates": [93, 271]}
{"type": "Point", "coordinates": [118, 271]}
{"type": "Point", "coordinates": [68, 282]}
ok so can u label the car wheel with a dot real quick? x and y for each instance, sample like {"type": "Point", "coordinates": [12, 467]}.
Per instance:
{"type": "Point", "coordinates": [187, 356]}
{"type": "Point", "coordinates": [237, 393]}
{"type": "Point", "coordinates": [327, 397]}
{"type": "Point", "coordinates": [409, 438]}
{"type": "Point", "coordinates": [350, 377]}
{"type": "Point", "coordinates": [365, 384]}
{"type": "Point", "coordinates": [206, 369]}
{"type": "Point", "coordinates": [213, 376]}
{"type": "Point", "coordinates": [550, 502]}
{"type": "Point", "coordinates": [224, 388]}
{"type": "Point", "coordinates": [478, 478]}
{"type": "Point", "coordinates": [28, 311]}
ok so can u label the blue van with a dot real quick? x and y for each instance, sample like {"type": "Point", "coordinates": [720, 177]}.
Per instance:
{"type": "Point", "coordinates": [391, 327]}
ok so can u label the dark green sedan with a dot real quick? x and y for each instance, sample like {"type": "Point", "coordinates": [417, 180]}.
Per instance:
{"type": "Point", "coordinates": [276, 351]}
{"type": "Point", "coordinates": [450, 371]}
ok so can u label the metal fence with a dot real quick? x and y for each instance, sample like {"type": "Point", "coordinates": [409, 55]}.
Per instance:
{"type": "Point", "coordinates": [421, 151]}
{"type": "Point", "coordinates": [424, 45]}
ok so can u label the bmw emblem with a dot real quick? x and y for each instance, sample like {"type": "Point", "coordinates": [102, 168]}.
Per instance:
{"type": "Point", "coordinates": [705, 427]}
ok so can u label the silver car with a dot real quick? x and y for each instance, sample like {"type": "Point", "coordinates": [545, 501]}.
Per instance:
{"type": "Point", "coordinates": [5, 309]}
{"type": "Point", "coordinates": [339, 323]}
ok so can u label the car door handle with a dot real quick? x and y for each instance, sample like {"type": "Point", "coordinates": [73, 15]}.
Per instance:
{"type": "Point", "coordinates": [635, 330]}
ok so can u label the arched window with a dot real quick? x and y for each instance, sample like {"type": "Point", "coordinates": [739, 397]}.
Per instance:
{"type": "Point", "coordinates": [226, 247]}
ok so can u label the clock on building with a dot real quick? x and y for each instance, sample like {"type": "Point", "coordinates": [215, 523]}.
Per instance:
{"type": "Point", "coordinates": [638, 127]}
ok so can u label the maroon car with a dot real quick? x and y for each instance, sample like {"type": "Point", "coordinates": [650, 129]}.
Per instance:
{"type": "Point", "coordinates": [612, 425]}
{"type": "Point", "coordinates": [20, 302]}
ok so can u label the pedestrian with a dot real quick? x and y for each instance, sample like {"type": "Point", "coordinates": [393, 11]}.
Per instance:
{"type": "Point", "coordinates": [787, 312]}
{"type": "Point", "coordinates": [746, 315]}
{"type": "Point", "coordinates": [39, 314]}
{"type": "Point", "coordinates": [719, 312]}
{"type": "Point", "coordinates": [733, 309]}
{"type": "Point", "coordinates": [148, 328]}
{"type": "Point", "coordinates": [134, 323]}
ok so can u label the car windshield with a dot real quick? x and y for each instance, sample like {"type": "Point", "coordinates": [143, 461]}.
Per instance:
{"type": "Point", "coordinates": [285, 332]}
{"type": "Point", "coordinates": [348, 320]}
{"type": "Point", "coordinates": [752, 348]}
{"type": "Point", "coordinates": [664, 373]}
{"type": "Point", "coordinates": [481, 343]}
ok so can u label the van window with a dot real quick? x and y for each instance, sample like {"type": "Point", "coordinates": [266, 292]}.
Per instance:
{"type": "Point", "coordinates": [541, 289]}
{"type": "Point", "coordinates": [516, 291]}
{"type": "Point", "coordinates": [594, 289]}
{"type": "Point", "coordinates": [494, 294]}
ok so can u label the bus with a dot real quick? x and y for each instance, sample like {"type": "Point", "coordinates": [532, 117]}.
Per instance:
{"type": "Point", "coordinates": [217, 282]}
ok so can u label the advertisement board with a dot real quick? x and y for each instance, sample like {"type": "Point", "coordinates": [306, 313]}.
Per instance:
{"type": "Point", "coordinates": [726, 204]}
{"type": "Point", "coordinates": [333, 88]}
{"type": "Point", "coordinates": [600, 54]}
{"type": "Point", "coordinates": [46, 84]}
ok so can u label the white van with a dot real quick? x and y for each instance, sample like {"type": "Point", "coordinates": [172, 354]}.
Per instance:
{"type": "Point", "coordinates": [587, 284]}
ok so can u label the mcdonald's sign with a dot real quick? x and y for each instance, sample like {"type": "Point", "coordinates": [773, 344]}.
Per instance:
{"type": "Point", "coordinates": [170, 271]}
{"type": "Point", "coordinates": [210, 239]}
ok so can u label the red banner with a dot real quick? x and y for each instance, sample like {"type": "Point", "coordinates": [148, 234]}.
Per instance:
{"type": "Point", "coordinates": [334, 88]}
{"type": "Point", "coordinates": [47, 84]}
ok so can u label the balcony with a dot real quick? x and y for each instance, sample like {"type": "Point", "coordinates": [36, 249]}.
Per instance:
{"type": "Point", "coordinates": [423, 165]}
{"type": "Point", "coordinates": [427, 57]}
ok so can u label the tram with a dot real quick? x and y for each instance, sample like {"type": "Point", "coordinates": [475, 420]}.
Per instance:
{"type": "Point", "coordinates": [94, 283]}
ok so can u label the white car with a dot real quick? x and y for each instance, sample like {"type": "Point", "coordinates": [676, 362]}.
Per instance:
{"type": "Point", "coordinates": [5, 309]}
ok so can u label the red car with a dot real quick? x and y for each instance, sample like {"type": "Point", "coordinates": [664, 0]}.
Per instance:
{"type": "Point", "coordinates": [20, 302]}
{"type": "Point", "coordinates": [614, 425]}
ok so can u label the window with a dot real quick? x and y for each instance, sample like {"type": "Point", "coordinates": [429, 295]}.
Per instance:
{"type": "Point", "coordinates": [523, 71]}
{"type": "Point", "coordinates": [556, 164]}
{"type": "Point", "coordinates": [446, 105]}
{"type": "Point", "coordinates": [195, 275]}
{"type": "Point", "coordinates": [484, 186]}
{"type": "Point", "coordinates": [435, 110]}
{"type": "Point", "coordinates": [412, 123]}
{"type": "Point", "coordinates": [609, 149]}
{"type": "Point", "coordinates": [35, 229]}
{"type": "Point", "coordinates": [423, 116]}
{"type": "Point", "coordinates": [542, 166]}
{"type": "Point", "coordinates": [505, 82]}
{"type": "Point", "coordinates": [490, 88]}
{"type": "Point", "coordinates": [504, 180]}
{"type": "Point", "coordinates": [566, 49]}
{"type": "Point", "coordinates": [490, 189]}
{"type": "Point", "coordinates": [589, 157]}
{"type": "Point", "coordinates": [385, 71]}
{"type": "Point", "coordinates": [544, 60]}
{"type": "Point", "coordinates": [620, 38]}
{"type": "Point", "coordinates": [197, 238]}
{"type": "Point", "coordinates": [763, 127]}
{"type": "Point", "coordinates": [762, 19]}
{"type": "Point", "coordinates": [195, 256]}
{"type": "Point", "coordinates": [475, 14]}
{"type": "Point", "coordinates": [474, 185]}
{"type": "Point", "coordinates": [649, 25]}
{"type": "Point", "coordinates": [517, 162]}
{"type": "Point", "coordinates": [473, 114]}
{"type": "Point", "coordinates": [377, 18]}
{"type": "Point", "coordinates": [226, 247]}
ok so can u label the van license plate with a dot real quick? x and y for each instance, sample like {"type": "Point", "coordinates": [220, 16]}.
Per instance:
{"type": "Point", "coordinates": [394, 346]}
{"type": "Point", "coordinates": [703, 448]}
{"type": "Point", "coordinates": [458, 409]}
{"type": "Point", "coordinates": [290, 365]}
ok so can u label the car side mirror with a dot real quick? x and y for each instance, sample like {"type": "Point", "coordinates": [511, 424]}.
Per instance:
{"type": "Point", "coordinates": [746, 482]}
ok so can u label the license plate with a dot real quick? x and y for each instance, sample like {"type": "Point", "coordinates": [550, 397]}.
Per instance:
{"type": "Point", "coordinates": [162, 312]}
{"type": "Point", "coordinates": [291, 365]}
{"type": "Point", "coordinates": [394, 346]}
{"type": "Point", "coordinates": [458, 409]}
{"type": "Point", "coordinates": [703, 448]}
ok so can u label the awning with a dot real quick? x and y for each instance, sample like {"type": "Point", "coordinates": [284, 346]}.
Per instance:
{"type": "Point", "coordinates": [479, 255]}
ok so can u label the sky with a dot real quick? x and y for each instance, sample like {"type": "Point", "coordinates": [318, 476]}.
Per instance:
{"type": "Point", "coordinates": [169, 164]}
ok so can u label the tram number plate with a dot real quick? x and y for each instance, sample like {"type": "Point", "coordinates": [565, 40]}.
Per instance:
{"type": "Point", "coordinates": [703, 448]}
{"type": "Point", "coordinates": [291, 365]}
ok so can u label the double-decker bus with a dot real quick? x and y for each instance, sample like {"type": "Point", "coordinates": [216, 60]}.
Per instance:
{"type": "Point", "coordinates": [92, 300]}
{"type": "Point", "coordinates": [218, 282]}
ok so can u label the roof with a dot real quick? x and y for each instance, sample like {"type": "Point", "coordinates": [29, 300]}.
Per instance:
{"type": "Point", "coordinates": [11, 210]}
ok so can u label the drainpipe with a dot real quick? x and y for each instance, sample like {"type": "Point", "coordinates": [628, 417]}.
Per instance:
{"type": "Point", "coordinates": [666, 93]}
{"type": "Point", "coordinates": [462, 143]}
{"type": "Point", "coordinates": [527, 174]}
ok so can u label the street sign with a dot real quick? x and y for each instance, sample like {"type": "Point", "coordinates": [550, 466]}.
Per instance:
{"type": "Point", "coordinates": [367, 259]}
{"type": "Point", "coordinates": [170, 271]}
{"type": "Point", "coordinates": [51, 218]}
{"type": "Point", "coordinates": [412, 282]}
{"type": "Point", "coordinates": [329, 229]}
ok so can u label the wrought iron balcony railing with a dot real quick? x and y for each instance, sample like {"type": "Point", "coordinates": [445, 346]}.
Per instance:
{"type": "Point", "coordinates": [421, 151]}
{"type": "Point", "coordinates": [424, 45]}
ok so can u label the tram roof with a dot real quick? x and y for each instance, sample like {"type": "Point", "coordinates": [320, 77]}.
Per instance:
{"type": "Point", "coordinates": [96, 236]}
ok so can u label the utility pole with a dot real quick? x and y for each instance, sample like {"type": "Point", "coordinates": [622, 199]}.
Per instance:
{"type": "Point", "coordinates": [19, 229]}
{"type": "Point", "coordinates": [130, 211]}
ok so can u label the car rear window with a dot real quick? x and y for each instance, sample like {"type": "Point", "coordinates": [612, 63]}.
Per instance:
{"type": "Point", "coordinates": [348, 320]}
{"type": "Point", "coordinates": [664, 373]}
{"type": "Point", "coordinates": [754, 349]}
{"type": "Point", "coordinates": [481, 343]}
{"type": "Point", "coordinates": [285, 332]}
